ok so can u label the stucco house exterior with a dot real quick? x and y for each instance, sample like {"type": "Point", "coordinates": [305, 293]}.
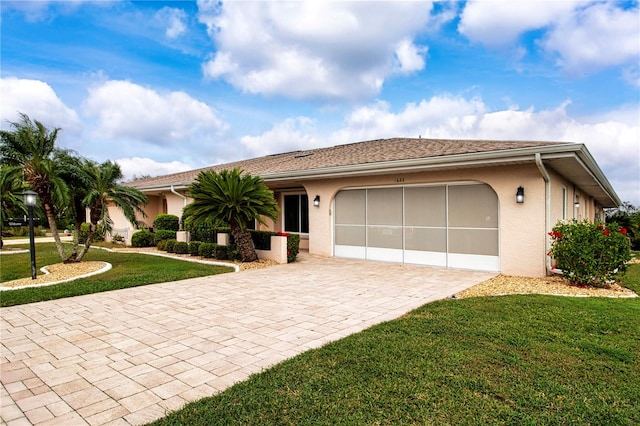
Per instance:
{"type": "Point", "coordinates": [471, 204]}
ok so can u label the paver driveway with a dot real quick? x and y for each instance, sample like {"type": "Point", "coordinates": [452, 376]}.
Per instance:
{"type": "Point", "coordinates": [130, 356]}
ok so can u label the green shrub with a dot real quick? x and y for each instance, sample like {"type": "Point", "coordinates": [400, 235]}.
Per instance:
{"type": "Point", "coordinates": [142, 238]}
{"type": "Point", "coordinates": [590, 253]}
{"type": "Point", "coordinates": [261, 239]}
{"type": "Point", "coordinates": [201, 233]}
{"type": "Point", "coordinates": [164, 234]}
{"type": "Point", "coordinates": [181, 247]}
{"type": "Point", "coordinates": [293, 247]}
{"type": "Point", "coordinates": [207, 249]}
{"type": "Point", "coordinates": [162, 245]}
{"type": "Point", "coordinates": [170, 245]}
{"type": "Point", "coordinates": [194, 247]}
{"type": "Point", "coordinates": [221, 252]}
{"type": "Point", "coordinates": [84, 233]}
{"type": "Point", "coordinates": [166, 222]}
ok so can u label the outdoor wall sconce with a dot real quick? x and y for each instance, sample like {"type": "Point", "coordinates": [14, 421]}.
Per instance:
{"type": "Point", "coordinates": [576, 204]}
{"type": "Point", "coordinates": [520, 195]}
{"type": "Point", "coordinates": [316, 201]}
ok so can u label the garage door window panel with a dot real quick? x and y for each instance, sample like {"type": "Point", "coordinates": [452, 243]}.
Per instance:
{"type": "Point", "coordinates": [473, 206]}
{"type": "Point", "coordinates": [351, 207]}
{"type": "Point", "coordinates": [350, 235]}
{"type": "Point", "coordinates": [425, 206]}
{"type": "Point", "coordinates": [425, 239]}
{"type": "Point", "coordinates": [473, 241]}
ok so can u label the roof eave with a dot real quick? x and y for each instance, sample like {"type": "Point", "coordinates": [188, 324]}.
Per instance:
{"type": "Point", "coordinates": [608, 196]}
{"type": "Point", "coordinates": [426, 163]}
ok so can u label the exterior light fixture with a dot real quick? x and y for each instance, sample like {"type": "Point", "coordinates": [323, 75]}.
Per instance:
{"type": "Point", "coordinates": [576, 203]}
{"type": "Point", "coordinates": [316, 201]}
{"type": "Point", "coordinates": [31, 200]}
{"type": "Point", "coordinates": [520, 195]}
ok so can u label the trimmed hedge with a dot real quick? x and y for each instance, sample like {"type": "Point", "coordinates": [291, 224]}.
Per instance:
{"type": "Point", "coordinates": [166, 222]}
{"type": "Point", "coordinates": [207, 249]}
{"type": "Point", "coordinates": [164, 234]}
{"type": "Point", "coordinates": [262, 239]}
{"type": "Point", "coordinates": [162, 245]}
{"type": "Point", "coordinates": [170, 245]}
{"type": "Point", "coordinates": [221, 252]}
{"type": "Point", "coordinates": [194, 247]}
{"type": "Point", "coordinates": [181, 247]}
{"type": "Point", "coordinates": [142, 238]}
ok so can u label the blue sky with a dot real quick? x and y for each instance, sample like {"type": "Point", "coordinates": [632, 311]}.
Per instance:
{"type": "Point", "coordinates": [163, 87]}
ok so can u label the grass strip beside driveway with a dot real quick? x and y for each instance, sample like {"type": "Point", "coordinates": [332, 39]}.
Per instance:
{"type": "Point", "coordinates": [516, 360]}
{"type": "Point", "coordinates": [129, 270]}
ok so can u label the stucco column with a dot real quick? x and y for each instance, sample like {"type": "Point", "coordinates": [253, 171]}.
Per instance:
{"type": "Point", "coordinates": [320, 220]}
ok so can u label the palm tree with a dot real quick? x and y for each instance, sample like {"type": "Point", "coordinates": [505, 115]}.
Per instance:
{"type": "Point", "coordinates": [102, 191]}
{"type": "Point", "coordinates": [10, 190]}
{"type": "Point", "coordinates": [30, 146]}
{"type": "Point", "coordinates": [234, 198]}
{"type": "Point", "coordinates": [72, 170]}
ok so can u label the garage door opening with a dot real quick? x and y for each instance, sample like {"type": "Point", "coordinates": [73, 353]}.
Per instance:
{"type": "Point", "coordinates": [454, 225]}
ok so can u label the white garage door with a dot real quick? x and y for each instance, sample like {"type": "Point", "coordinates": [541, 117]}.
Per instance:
{"type": "Point", "coordinates": [453, 225]}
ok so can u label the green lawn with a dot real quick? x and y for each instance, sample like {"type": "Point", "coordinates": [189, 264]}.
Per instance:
{"type": "Point", "coordinates": [129, 270]}
{"type": "Point", "coordinates": [518, 360]}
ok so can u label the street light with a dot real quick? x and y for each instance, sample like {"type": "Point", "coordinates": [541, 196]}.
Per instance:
{"type": "Point", "coordinates": [30, 200]}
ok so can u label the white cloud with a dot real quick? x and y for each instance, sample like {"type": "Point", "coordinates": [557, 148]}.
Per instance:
{"type": "Point", "coordinates": [173, 19]}
{"type": "Point", "coordinates": [127, 111]}
{"type": "Point", "coordinates": [314, 48]}
{"type": "Point", "coordinates": [584, 37]}
{"type": "Point", "coordinates": [40, 102]}
{"type": "Point", "coordinates": [595, 37]}
{"type": "Point", "coordinates": [410, 57]}
{"type": "Point", "coordinates": [290, 135]}
{"type": "Point", "coordinates": [137, 167]}
{"type": "Point", "coordinates": [499, 24]}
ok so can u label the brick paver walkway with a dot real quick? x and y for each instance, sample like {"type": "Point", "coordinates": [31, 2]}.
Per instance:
{"type": "Point", "coordinates": [127, 357]}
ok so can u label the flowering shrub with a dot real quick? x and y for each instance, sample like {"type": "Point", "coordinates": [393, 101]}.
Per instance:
{"type": "Point", "coordinates": [293, 247]}
{"type": "Point", "coordinates": [590, 253]}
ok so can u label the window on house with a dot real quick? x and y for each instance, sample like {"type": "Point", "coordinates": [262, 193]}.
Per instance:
{"type": "Point", "coordinates": [296, 213]}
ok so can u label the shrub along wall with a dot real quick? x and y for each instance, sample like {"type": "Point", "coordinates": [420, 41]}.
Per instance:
{"type": "Point", "coordinates": [167, 222]}
{"type": "Point", "coordinates": [142, 238]}
{"type": "Point", "coordinates": [164, 234]}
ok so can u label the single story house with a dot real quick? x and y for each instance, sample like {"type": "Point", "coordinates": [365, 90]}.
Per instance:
{"type": "Point", "coordinates": [472, 204]}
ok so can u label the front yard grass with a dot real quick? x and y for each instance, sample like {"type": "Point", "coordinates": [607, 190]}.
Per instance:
{"type": "Point", "coordinates": [515, 360]}
{"type": "Point", "coordinates": [129, 270]}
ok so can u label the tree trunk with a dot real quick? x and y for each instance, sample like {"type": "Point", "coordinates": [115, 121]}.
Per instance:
{"type": "Point", "coordinates": [51, 219]}
{"type": "Point", "coordinates": [80, 218]}
{"type": "Point", "coordinates": [94, 217]}
{"type": "Point", "coordinates": [244, 242]}
{"type": "Point", "coordinates": [87, 244]}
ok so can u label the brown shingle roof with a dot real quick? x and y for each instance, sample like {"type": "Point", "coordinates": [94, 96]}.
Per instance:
{"type": "Point", "coordinates": [375, 151]}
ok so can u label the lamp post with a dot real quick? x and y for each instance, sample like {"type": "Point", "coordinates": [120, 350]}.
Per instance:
{"type": "Point", "coordinates": [30, 200]}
